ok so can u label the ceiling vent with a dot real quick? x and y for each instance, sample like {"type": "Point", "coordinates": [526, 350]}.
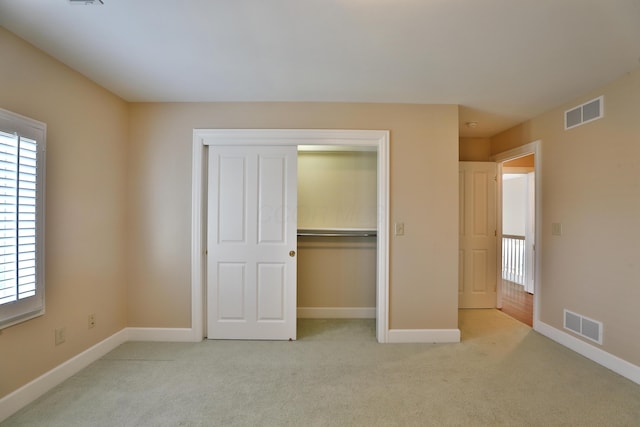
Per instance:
{"type": "Point", "coordinates": [94, 2]}
{"type": "Point", "coordinates": [585, 113]}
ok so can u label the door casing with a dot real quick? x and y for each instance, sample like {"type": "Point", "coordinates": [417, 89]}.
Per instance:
{"type": "Point", "coordinates": [203, 138]}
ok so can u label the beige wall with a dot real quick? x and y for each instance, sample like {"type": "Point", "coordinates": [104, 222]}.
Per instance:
{"type": "Point", "coordinates": [336, 271]}
{"type": "Point", "coordinates": [590, 184]}
{"type": "Point", "coordinates": [337, 189]}
{"type": "Point", "coordinates": [475, 149]}
{"type": "Point", "coordinates": [424, 186]}
{"type": "Point", "coordinates": [85, 214]}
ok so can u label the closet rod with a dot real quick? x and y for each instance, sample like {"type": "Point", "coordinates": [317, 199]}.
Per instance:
{"type": "Point", "coordinates": [339, 232]}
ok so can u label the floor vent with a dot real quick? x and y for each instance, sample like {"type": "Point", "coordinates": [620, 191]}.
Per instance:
{"type": "Point", "coordinates": [583, 326]}
{"type": "Point", "coordinates": [585, 113]}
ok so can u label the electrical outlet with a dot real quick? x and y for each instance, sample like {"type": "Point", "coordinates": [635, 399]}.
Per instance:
{"type": "Point", "coordinates": [60, 336]}
{"type": "Point", "coordinates": [92, 321]}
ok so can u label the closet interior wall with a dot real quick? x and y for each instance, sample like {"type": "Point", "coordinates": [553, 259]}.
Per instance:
{"type": "Point", "coordinates": [337, 194]}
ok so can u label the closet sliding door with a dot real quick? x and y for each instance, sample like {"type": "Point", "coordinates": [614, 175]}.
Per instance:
{"type": "Point", "coordinates": [252, 242]}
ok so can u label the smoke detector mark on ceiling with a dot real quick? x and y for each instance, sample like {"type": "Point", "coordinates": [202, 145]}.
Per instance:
{"type": "Point", "coordinates": [86, 2]}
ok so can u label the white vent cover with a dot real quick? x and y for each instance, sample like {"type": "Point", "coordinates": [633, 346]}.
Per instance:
{"type": "Point", "coordinates": [584, 113]}
{"type": "Point", "coordinates": [583, 326]}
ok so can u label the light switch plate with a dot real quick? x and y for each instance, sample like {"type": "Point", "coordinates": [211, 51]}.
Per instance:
{"type": "Point", "coordinates": [556, 229]}
{"type": "Point", "coordinates": [399, 228]}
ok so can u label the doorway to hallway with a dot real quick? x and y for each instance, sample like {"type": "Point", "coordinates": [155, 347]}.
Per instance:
{"type": "Point", "coordinates": [517, 277]}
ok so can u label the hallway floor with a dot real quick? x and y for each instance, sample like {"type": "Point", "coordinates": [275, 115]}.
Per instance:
{"type": "Point", "coordinates": [516, 302]}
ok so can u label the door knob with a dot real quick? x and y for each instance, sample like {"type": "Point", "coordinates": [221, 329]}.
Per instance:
{"type": "Point", "coordinates": [292, 253]}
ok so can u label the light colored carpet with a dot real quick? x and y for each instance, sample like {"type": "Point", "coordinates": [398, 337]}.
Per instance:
{"type": "Point", "coordinates": [502, 374]}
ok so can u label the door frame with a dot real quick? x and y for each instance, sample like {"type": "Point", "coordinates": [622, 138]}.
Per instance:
{"type": "Point", "coordinates": [204, 138]}
{"type": "Point", "coordinates": [534, 148]}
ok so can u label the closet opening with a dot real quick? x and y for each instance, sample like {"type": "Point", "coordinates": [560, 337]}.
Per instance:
{"type": "Point", "coordinates": [337, 242]}
{"type": "Point", "coordinates": [215, 173]}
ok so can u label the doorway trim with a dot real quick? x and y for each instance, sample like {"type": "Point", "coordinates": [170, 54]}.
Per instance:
{"type": "Point", "coordinates": [534, 148]}
{"type": "Point", "coordinates": [203, 138]}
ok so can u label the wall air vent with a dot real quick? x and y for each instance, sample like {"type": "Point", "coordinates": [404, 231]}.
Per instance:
{"type": "Point", "coordinates": [583, 326]}
{"type": "Point", "coordinates": [584, 113]}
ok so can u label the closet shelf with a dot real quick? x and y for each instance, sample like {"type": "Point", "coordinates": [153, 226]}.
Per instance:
{"type": "Point", "coordinates": [337, 232]}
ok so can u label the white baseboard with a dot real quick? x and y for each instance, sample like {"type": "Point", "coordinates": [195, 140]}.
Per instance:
{"type": "Point", "coordinates": [608, 360]}
{"type": "Point", "coordinates": [162, 334]}
{"type": "Point", "coordinates": [423, 335]}
{"type": "Point", "coordinates": [26, 394]}
{"type": "Point", "coordinates": [336, 312]}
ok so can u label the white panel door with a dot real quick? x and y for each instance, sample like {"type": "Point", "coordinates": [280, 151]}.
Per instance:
{"type": "Point", "coordinates": [478, 251]}
{"type": "Point", "coordinates": [251, 235]}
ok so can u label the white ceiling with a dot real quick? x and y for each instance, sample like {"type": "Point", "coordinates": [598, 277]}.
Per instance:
{"type": "Point", "coordinates": [503, 61]}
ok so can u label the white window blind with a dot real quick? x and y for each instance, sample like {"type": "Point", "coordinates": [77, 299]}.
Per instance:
{"type": "Point", "coordinates": [21, 218]}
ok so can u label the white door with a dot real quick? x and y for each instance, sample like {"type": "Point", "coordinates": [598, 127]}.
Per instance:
{"type": "Point", "coordinates": [478, 251]}
{"type": "Point", "coordinates": [251, 235]}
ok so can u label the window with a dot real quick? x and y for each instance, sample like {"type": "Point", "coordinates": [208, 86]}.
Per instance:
{"type": "Point", "coordinates": [22, 161]}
